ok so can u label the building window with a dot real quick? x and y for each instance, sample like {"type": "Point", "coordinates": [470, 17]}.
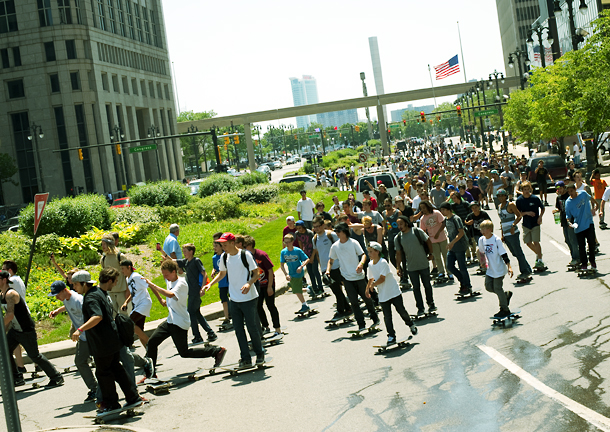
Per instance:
{"type": "Point", "coordinates": [115, 84]}
{"type": "Point", "coordinates": [105, 82]}
{"type": "Point", "coordinates": [145, 24]}
{"type": "Point", "coordinates": [131, 34]}
{"type": "Point", "coordinates": [125, 85]}
{"type": "Point", "coordinates": [8, 17]}
{"type": "Point", "coordinates": [55, 83]}
{"type": "Point", "coordinates": [143, 87]}
{"type": "Point", "coordinates": [49, 51]}
{"type": "Point", "coordinates": [159, 94]}
{"type": "Point", "coordinates": [16, 56]}
{"type": "Point", "coordinates": [153, 27]}
{"type": "Point", "coordinates": [101, 14]}
{"type": "Point", "coordinates": [28, 175]}
{"type": "Point", "coordinates": [134, 86]}
{"type": "Point", "coordinates": [111, 21]}
{"type": "Point", "coordinates": [83, 142]}
{"type": "Point", "coordinates": [71, 49]}
{"type": "Point", "coordinates": [44, 13]}
{"type": "Point", "coordinates": [151, 89]}
{"type": "Point", "coordinates": [120, 18]}
{"type": "Point", "coordinates": [79, 14]}
{"type": "Point", "coordinates": [65, 14]}
{"type": "Point", "coordinates": [5, 61]}
{"type": "Point", "coordinates": [166, 92]}
{"type": "Point", "coordinates": [75, 80]}
{"type": "Point", "coordinates": [15, 89]}
{"type": "Point", "coordinates": [62, 138]}
{"type": "Point", "coordinates": [138, 22]}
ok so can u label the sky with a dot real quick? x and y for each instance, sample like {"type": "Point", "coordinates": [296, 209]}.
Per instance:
{"type": "Point", "coordinates": [236, 56]}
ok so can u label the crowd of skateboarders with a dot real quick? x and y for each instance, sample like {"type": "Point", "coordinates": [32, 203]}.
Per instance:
{"type": "Point", "coordinates": [431, 231]}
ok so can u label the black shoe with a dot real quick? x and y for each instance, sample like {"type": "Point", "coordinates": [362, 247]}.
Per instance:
{"type": "Point", "coordinates": [502, 313]}
{"type": "Point", "coordinates": [19, 382]}
{"type": "Point", "coordinates": [197, 340]}
{"type": "Point", "coordinates": [90, 396]}
{"type": "Point", "coordinates": [55, 382]}
{"type": "Point", "coordinates": [212, 337]}
{"type": "Point", "coordinates": [245, 363]}
{"type": "Point", "coordinates": [149, 367]}
{"type": "Point", "coordinates": [260, 359]}
{"type": "Point", "coordinates": [113, 407]}
{"type": "Point", "coordinates": [22, 370]}
{"type": "Point", "coordinates": [509, 294]}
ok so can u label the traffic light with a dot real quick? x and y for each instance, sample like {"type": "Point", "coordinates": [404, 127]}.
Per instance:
{"type": "Point", "coordinates": [227, 141]}
{"type": "Point", "coordinates": [236, 140]}
{"type": "Point", "coordinates": [438, 118]}
{"type": "Point", "coordinates": [404, 122]}
{"type": "Point", "coordinates": [295, 136]}
{"type": "Point", "coordinates": [357, 128]}
{"type": "Point", "coordinates": [80, 154]}
{"type": "Point", "coordinates": [335, 127]}
{"type": "Point", "coordinates": [458, 108]}
{"type": "Point", "coordinates": [340, 135]}
{"type": "Point", "coordinates": [431, 121]}
{"type": "Point", "coordinates": [118, 149]}
{"type": "Point", "coordinates": [423, 116]}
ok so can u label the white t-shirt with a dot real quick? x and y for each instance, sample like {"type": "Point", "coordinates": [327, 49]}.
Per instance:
{"type": "Point", "coordinates": [348, 254]}
{"type": "Point", "coordinates": [389, 288]}
{"type": "Point", "coordinates": [19, 286]}
{"type": "Point", "coordinates": [239, 275]}
{"type": "Point", "coordinates": [176, 306]}
{"type": "Point", "coordinates": [576, 150]}
{"type": "Point", "coordinates": [74, 308]}
{"type": "Point", "coordinates": [142, 303]}
{"type": "Point", "coordinates": [606, 195]}
{"type": "Point", "coordinates": [493, 249]}
{"type": "Point", "coordinates": [306, 207]}
{"type": "Point", "coordinates": [415, 203]}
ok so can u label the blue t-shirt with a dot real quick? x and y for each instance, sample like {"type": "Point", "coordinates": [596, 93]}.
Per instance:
{"type": "Point", "coordinates": [532, 203]}
{"type": "Point", "coordinates": [171, 245]}
{"type": "Point", "coordinates": [293, 260]}
{"type": "Point", "coordinates": [223, 283]}
{"type": "Point", "coordinates": [579, 208]}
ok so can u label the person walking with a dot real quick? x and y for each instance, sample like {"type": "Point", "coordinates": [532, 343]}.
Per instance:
{"type": "Point", "coordinates": [580, 217]}
{"type": "Point", "coordinates": [171, 246]}
{"type": "Point", "coordinates": [568, 233]}
{"type": "Point", "coordinates": [457, 247]}
{"type": "Point", "coordinates": [509, 221]}
{"type": "Point", "coordinates": [433, 224]}
{"type": "Point", "coordinates": [306, 209]}
{"type": "Point", "coordinates": [112, 258]}
{"type": "Point", "coordinates": [532, 210]}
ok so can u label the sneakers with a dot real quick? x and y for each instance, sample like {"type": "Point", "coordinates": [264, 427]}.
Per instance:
{"type": "Point", "coordinates": [502, 313]}
{"type": "Point", "coordinates": [19, 382]}
{"type": "Point", "coordinates": [245, 363]}
{"type": "Point", "coordinates": [539, 263]}
{"type": "Point", "coordinates": [413, 329]}
{"type": "Point", "coordinates": [197, 340]}
{"type": "Point", "coordinates": [337, 315]}
{"type": "Point", "coordinates": [574, 262]}
{"type": "Point", "coordinates": [421, 312]}
{"type": "Point", "coordinates": [57, 382]}
{"type": "Point", "coordinates": [304, 309]}
{"type": "Point", "coordinates": [376, 322]}
{"type": "Point", "coordinates": [391, 340]}
{"type": "Point", "coordinates": [219, 357]}
{"type": "Point", "coordinates": [90, 396]}
{"type": "Point", "coordinates": [361, 328]}
{"type": "Point", "coordinates": [212, 337]}
{"type": "Point", "coordinates": [432, 309]}
{"type": "Point", "coordinates": [434, 271]}
{"type": "Point", "coordinates": [22, 370]}
{"type": "Point", "coordinates": [226, 322]}
{"type": "Point", "coordinates": [260, 359]}
{"type": "Point", "coordinates": [464, 291]}
{"type": "Point", "coordinates": [266, 330]}
{"type": "Point", "coordinates": [509, 294]}
{"type": "Point", "coordinates": [149, 367]}
{"type": "Point", "coordinates": [144, 378]}
{"type": "Point", "coordinates": [107, 408]}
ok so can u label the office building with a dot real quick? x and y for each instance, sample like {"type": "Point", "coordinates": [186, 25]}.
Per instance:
{"type": "Point", "coordinates": [397, 114]}
{"type": "Point", "coordinates": [376, 61]}
{"type": "Point", "coordinates": [304, 92]}
{"type": "Point", "coordinates": [338, 118]}
{"type": "Point", "coordinates": [78, 75]}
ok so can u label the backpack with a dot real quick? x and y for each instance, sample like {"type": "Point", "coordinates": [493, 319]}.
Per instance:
{"type": "Point", "coordinates": [419, 237]}
{"type": "Point", "coordinates": [125, 328]}
{"type": "Point", "coordinates": [118, 257]}
{"type": "Point", "coordinates": [244, 261]}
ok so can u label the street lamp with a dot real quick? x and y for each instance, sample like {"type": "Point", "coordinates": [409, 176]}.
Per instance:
{"type": "Point", "coordinates": [36, 132]}
{"type": "Point", "coordinates": [538, 29]}
{"type": "Point", "coordinates": [153, 131]}
{"type": "Point", "coordinates": [257, 128]}
{"type": "Point", "coordinates": [476, 89]}
{"type": "Point", "coordinates": [368, 115]}
{"type": "Point", "coordinates": [117, 137]}
{"type": "Point", "coordinates": [499, 77]}
{"type": "Point", "coordinates": [193, 129]}
{"type": "Point", "coordinates": [577, 34]}
{"type": "Point", "coordinates": [519, 55]}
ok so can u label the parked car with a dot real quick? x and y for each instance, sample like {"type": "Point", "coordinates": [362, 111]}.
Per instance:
{"type": "Point", "coordinates": [555, 164]}
{"type": "Point", "coordinates": [310, 181]}
{"type": "Point", "coordinates": [271, 165]}
{"type": "Point", "coordinates": [278, 164]}
{"type": "Point", "coordinates": [469, 147]}
{"type": "Point", "coordinates": [388, 178]}
{"type": "Point", "coordinates": [194, 186]}
{"type": "Point", "coordinates": [265, 169]}
{"type": "Point", "coordinates": [120, 202]}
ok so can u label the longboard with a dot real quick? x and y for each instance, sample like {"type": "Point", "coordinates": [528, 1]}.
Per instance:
{"type": "Point", "coordinates": [464, 296]}
{"type": "Point", "coordinates": [306, 314]}
{"type": "Point", "coordinates": [399, 343]}
{"type": "Point", "coordinates": [359, 333]}
{"type": "Point", "coordinates": [587, 272]}
{"type": "Point", "coordinates": [101, 418]}
{"type": "Point", "coordinates": [30, 384]}
{"type": "Point", "coordinates": [423, 316]}
{"type": "Point", "coordinates": [157, 385]}
{"type": "Point", "coordinates": [234, 368]}
{"type": "Point", "coordinates": [506, 321]}
{"type": "Point", "coordinates": [336, 322]}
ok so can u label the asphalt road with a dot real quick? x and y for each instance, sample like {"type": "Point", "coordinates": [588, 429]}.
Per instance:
{"type": "Point", "coordinates": [553, 359]}
{"type": "Point", "coordinates": [278, 174]}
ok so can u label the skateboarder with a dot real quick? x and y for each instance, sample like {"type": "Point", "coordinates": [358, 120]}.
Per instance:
{"type": "Point", "coordinates": [139, 298]}
{"type": "Point", "coordinates": [509, 221]}
{"type": "Point", "coordinates": [295, 258]}
{"type": "Point", "coordinates": [223, 284]}
{"type": "Point", "coordinates": [568, 233]}
{"type": "Point", "coordinates": [579, 216]}
{"type": "Point", "coordinates": [381, 276]}
{"type": "Point", "coordinates": [532, 210]}
{"type": "Point", "coordinates": [304, 237]}
{"type": "Point", "coordinates": [497, 265]}
{"type": "Point", "coordinates": [456, 249]}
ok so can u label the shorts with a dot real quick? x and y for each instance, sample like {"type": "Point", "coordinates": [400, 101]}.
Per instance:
{"type": "Point", "coordinates": [531, 235]}
{"type": "Point", "coordinates": [297, 285]}
{"type": "Point", "coordinates": [542, 186]}
{"type": "Point", "coordinates": [138, 320]}
{"type": "Point", "coordinates": [224, 294]}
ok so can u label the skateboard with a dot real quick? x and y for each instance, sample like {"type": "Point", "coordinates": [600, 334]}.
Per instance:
{"type": "Point", "coordinates": [270, 341]}
{"type": "Point", "coordinates": [523, 280]}
{"type": "Point", "coordinates": [67, 368]}
{"type": "Point", "coordinates": [399, 343]}
{"type": "Point", "coordinates": [587, 272]}
{"type": "Point", "coordinates": [204, 343]}
{"type": "Point", "coordinates": [320, 296]}
{"type": "Point", "coordinates": [359, 333]}
{"type": "Point", "coordinates": [481, 272]}
{"type": "Point", "coordinates": [33, 383]}
{"type": "Point", "coordinates": [540, 269]}
{"type": "Point", "coordinates": [157, 386]}
{"type": "Point", "coordinates": [336, 322]}
{"type": "Point", "coordinates": [306, 314]}
{"type": "Point", "coordinates": [225, 327]}
{"type": "Point", "coordinates": [471, 294]}
{"type": "Point", "coordinates": [506, 321]}
{"type": "Point", "coordinates": [442, 280]}
{"type": "Point", "coordinates": [234, 368]}
{"type": "Point", "coordinates": [130, 411]}
{"type": "Point", "coordinates": [574, 267]}
{"type": "Point", "coordinates": [424, 316]}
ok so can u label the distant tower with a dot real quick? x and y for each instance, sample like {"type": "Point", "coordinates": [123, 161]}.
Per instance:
{"type": "Point", "coordinates": [304, 92]}
{"type": "Point", "coordinates": [377, 69]}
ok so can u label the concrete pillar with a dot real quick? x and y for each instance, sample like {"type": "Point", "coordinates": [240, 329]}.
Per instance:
{"type": "Point", "coordinates": [250, 147]}
{"type": "Point", "coordinates": [383, 133]}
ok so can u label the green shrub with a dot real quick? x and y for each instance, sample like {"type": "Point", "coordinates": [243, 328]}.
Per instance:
{"type": "Point", "coordinates": [68, 217]}
{"type": "Point", "coordinates": [161, 193]}
{"type": "Point", "coordinates": [48, 244]}
{"type": "Point", "coordinates": [83, 257]}
{"type": "Point", "coordinates": [290, 188]}
{"type": "Point", "coordinates": [217, 207]}
{"type": "Point", "coordinates": [332, 189]}
{"type": "Point", "coordinates": [172, 215]}
{"type": "Point", "coordinates": [16, 247]}
{"type": "Point", "coordinates": [253, 178]}
{"type": "Point", "coordinates": [217, 183]}
{"type": "Point", "coordinates": [259, 194]}
{"type": "Point", "coordinates": [308, 168]}
{"type": "Point", "coordinates": [136, 214]}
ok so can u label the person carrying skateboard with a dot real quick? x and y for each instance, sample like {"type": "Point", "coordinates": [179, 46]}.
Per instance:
{"type": "Point", "coordinates": [532, 210]}
{"type": "Point", "coordinates": [498, 264]}
{"type": "Point", "coordinates": [295, 259]}
{"type": "Point", "coordinates": [509, 222]}
{"type": "Point", "coordinates": [580, 217]}
{"type": "Point", "coordinates": [381, 276]}
{"type": "Point", "coordinates": [352, 258]}
{"type": "Point", "coordinates": [304, 237]}
{"type": "Point", "coordinates": [456, 249]}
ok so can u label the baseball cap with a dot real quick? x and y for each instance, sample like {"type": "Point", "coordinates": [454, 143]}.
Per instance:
{"type": "Point", "coordinates": [300, 223]}
{"type": "Point", "coordinates": [82, 276]}
{"type": "Point", "coordinates": [494, 171]}
{"type": "Point", "coordinates": [366, 192]}
{"type": "Point", "coordinates": [6, 275]}
{"type": "Point", "coordinates": [226, 237]}
{"type": "Point", "coordinates": [475, 203]}
{"type": "Point", "coordinates": [57, 287]}
{"type": "Point", "coordinates": [560, 183]}
{"type": "Point", "coordinates": [379, 182]}
{"type": "Point", "coordinates": [375, 245]}
{"type": "Point", "coordinates": [502, 192]}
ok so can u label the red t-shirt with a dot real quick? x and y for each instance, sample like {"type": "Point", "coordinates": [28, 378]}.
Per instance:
{"type": "Point", "coordinates": [264, 264]}
{"type": "Point", "coordinates": [374, 204]}
{"type": "Point", "coordinates": [292, 231]}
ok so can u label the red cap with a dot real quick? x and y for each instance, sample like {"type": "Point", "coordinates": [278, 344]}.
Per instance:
{"type": "Point", "coordinates": [379, 182]}
{"type": "Point", "coordinates": [226, 237]}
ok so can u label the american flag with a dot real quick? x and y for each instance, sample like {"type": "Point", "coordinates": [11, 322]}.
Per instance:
{"type": "Point", "coordinates": [548, 54]}
{"type": "Point", "coordinates": [450, 67]}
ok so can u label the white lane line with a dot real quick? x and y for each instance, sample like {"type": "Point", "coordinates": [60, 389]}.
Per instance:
{"type": "Point", "coordinates": [582, 411]}
{"type": "Point", "coordinates": [561, 248]}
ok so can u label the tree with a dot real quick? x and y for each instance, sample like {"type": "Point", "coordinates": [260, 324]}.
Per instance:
{"type": "Point", "coordinates": [199, 143]}
{"type": "Point", "coordinates": [7, 169]}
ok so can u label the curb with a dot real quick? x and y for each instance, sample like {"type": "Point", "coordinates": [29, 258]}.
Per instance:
{"type": "Point", "coordinates": [103, 428]}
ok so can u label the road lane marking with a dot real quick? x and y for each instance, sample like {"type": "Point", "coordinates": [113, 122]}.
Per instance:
{"type": "Point", "coordinates": [582, 411]}
{"type": "Point", "coordinates": [561, 248]}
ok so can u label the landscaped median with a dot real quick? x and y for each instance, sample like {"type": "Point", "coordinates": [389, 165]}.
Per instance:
{"type": "Point", "coordinates": [71, 229]}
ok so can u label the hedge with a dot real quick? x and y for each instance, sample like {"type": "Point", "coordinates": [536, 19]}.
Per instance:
{"type": "Point", "coordinates": [217, 183]}
{"type": "Point", "coordinates": [259, 194]}
{"type": "Point", "coordinates": [162, 193]}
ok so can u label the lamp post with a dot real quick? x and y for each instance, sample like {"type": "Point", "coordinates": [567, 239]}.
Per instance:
{"type": "Point", "coordinates": [498, 77]}
{"type": "Point", "coordinates": [468, 137]}
{"type": "Point", "coordinates": [476, 90]}
{"type": "Point", "coordinates": [368, 115]}
{"type": "Point", "coordinates": [538, 30]}
{"type": "Point", "coordinates": [117, 137]}
{"type": "Point", "coordinates": [193, 129]}
{"type": "Point", "coordinates": [578, 35]}
{"type": "Point", "coordinates": [36, 132]}
{"type": "Point", "coordinates": [518, 55]}
{"type": "Point", "coordinates": [153, 131]}
{"type": "Point", "coordinates": [270, 129]}
{"type": "Point", "coordinates": [283, 128]}
{"type": "Point", "coordinates": [257, 128]}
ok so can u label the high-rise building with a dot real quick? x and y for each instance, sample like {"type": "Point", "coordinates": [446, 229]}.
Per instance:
{"type": "Point", "coordinates": [304, 92]}
{"type": "Point", "coordinates": [78, 76]}
{"type": "Point", "coordinates": [374, 48]}
{"type": "Point", "coordinates": [338, 118]}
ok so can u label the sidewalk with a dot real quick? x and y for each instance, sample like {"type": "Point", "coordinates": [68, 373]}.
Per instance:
{"type": "Point", "coordinates": [210, 312]}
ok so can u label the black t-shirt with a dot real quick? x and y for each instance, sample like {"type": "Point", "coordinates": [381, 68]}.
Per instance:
{"type": "Point", "coordinates": [560, 204]}
{"type": "Point", "coordinates": [193, 269]}
{"type": "Point", "coordinates": [22, 315]}
{"type": "Point", "coordinates": [532, 204]}
{"type": "Point", "coordinates": [475, 228]}
{"type": "Point", "coordinates": [541, 174]}
{"type": "Point", "coordinates": [103, 339]}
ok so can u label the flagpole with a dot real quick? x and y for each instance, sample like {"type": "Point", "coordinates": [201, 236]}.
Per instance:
{"type": "Point", "coordinates": [433, 95]}
{"type": "Point", "coordinates": [462, 52]}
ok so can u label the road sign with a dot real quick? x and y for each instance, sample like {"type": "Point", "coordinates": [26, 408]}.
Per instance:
{"type": "Point", "coordinates": [367, 149]}
{"type": "Point", "coordinates": [314, 136]}
{"type": "Point", "coordinates": [486, 112]}
{"type": "Point", "coordinates": [363, 157]}
{"type": "Point", "coordinates": [587, 135]}
{"type": "Point", "coordinates": [487, 121]}
{"type": "Point", "coordinates": [40, 201]}
{"type": "Point", "coordinates": [139, 149]}
{"type": "Point", "coordinates": [394, 126]}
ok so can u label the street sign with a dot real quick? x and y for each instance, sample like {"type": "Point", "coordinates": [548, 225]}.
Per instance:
{"type": "Point", "coordinates": [314, 136]}
{"type": "Point", "coordinates": [394, 126]}
{"type": "Point", "coordinates": [487, 121]}
{"type": "Point", "coordinates": [486, 112]}
{"type": "Point", "coordinates": [367, 149]}
{"type": "Point", "coordinates": [363, 157]}
{"type": "Point", "coordinates": [587, 135]}
{"type": "Point", "coordinates": [40, 201]}
{"type": "Point", "coordinates": [139, 149]}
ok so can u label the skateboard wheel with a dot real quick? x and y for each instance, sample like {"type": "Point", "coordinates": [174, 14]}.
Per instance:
{"type": "Point", "coordinates": [212, 371]}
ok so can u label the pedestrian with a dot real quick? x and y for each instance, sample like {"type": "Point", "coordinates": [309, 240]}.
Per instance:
{"type": "Point", "coordinates": [599, 187]}
{"type": "Point", "coordinates": [112, 259]}
{"type": "Point", "coordinates": [366, 195]}
{"type": "Point", "coordinates": [306, 209]}
{"type": "Point", "coordinates": [367, 210]}
{"type": "Point", "coordinates": [437, 194]}
{"type": "Point", "coordinates": [335, 209]}
{"type": "Point", "coordinates": [139, 298]}
{"type": "Point", "coordinates": [304, 237]}
{"type": "Point", "coordinates": [433, 224]}
{"type": "Point", "coordinates": [568, 233]}
{"type": "Point", "coordinates": [171, 246]}
{"type": "Point", "coordinates": [381, 277]}
{"type": "Point", "coordinates": [576, 153]}
{"type": "Point", "coordinates": [473, 222]}
{"type": "Point", "coordinates": [223, 284]}
{"type": "Point", "coordinates": [381, 192]}
{"type": "Point", "coordinates": [18, 285]}
{"type": "Point", "coordinates": [602, 207]}
{"type": "Point", "coordinates": [295, 259]}
{"type": "Point", "coordinates": [521, 180]}
{"type": "Point", "coordinates": [541, 175]}
{"type": "Point", "coordinates": [483, 182]}
{"type": "Point", "coordinates": [320, 211]}
{"type": "Point", "coordinates": [532, 210]}
{"type": "Point", "coordinates": [242, 272]}
{"type": "Point", "coordinates": [461, 208]}
{"type": "Point", "coordinates": [456, 249]}
{"type": "Point", "coordinates": [580, 217]}
{"type": "Point", "coordinates": [510, 216]}
{"type": "Point", "coordinates": [495, 184]}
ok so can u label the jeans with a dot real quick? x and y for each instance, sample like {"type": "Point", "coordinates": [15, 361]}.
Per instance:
{"type": "Point", "coordinates": [392, 250]}
{"type": "Point", "coordinates": [28, 340]}
{"type": "Point", "coordinates": [313, 270]}
{"type": "Point", "coordinates": [108, 369]}
{"type": "Point", "coordinates": [355, 289]}
{"type": "Point", "coordinates": [572, 242]}
{"type": "Point", "coordinates": [415, 276]}
{"type": "Point", "coordinates": [81, 361]}
{"type": "Point", "coordinates": [461, 274]}
{"type": "Point", "coordinates": [342, 304]}
{"type": "Point", "coordinates": [246, 311]}
{"type": "Point", "coordinates": [180, 338]}
{"type": "Point", "coordinates": [514, 246]}
{"type": "Point", "coordinates": [270, 301]}
{"type": "Point", "coordinates": [494, 285]}
{"type": "Point", "coordinates": [587, 236]}
{"type": "Point", "coordinates": [194, 310]}
{"type": "Point", "coordinates": [577, 161]}
{"type": "Point", "coordinates": [398, 303]}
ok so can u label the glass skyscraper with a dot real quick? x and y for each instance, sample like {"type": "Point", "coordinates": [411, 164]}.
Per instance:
{"type": "Point", "coordinates": [304, 92]}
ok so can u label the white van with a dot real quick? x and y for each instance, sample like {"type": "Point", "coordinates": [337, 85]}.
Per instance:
{"type": "Point", "coordinates": [387, 177]}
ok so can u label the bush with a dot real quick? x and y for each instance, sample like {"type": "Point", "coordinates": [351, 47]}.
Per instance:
{"type": "Point", "coordinates": [68, 217]}
{"type": "Point", "coordinates": [178, 215]}
{"type": "Point", "coordinates": [290, 188]}
{"type": "Point", "coordinates": [162, 193]}
{"type": "Point", "coordinates": [82, 258]}
{"type": "Point", "coordinates": [217, 183]}
{"type": "Point", "coordinates": [15, 247]}
{"type": "Point", "coordinates": [48, 244]}
{"type": "Point", "coordinates": [136, 214]}
{"type": "Point", "coordinates": [217, 207]}
{"type": "Point", "coordinates": [259, 194]}
{"type": "Point", "coordinates": [308, 168]}
{"type": "Point", "coordinates": [253, 178]}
